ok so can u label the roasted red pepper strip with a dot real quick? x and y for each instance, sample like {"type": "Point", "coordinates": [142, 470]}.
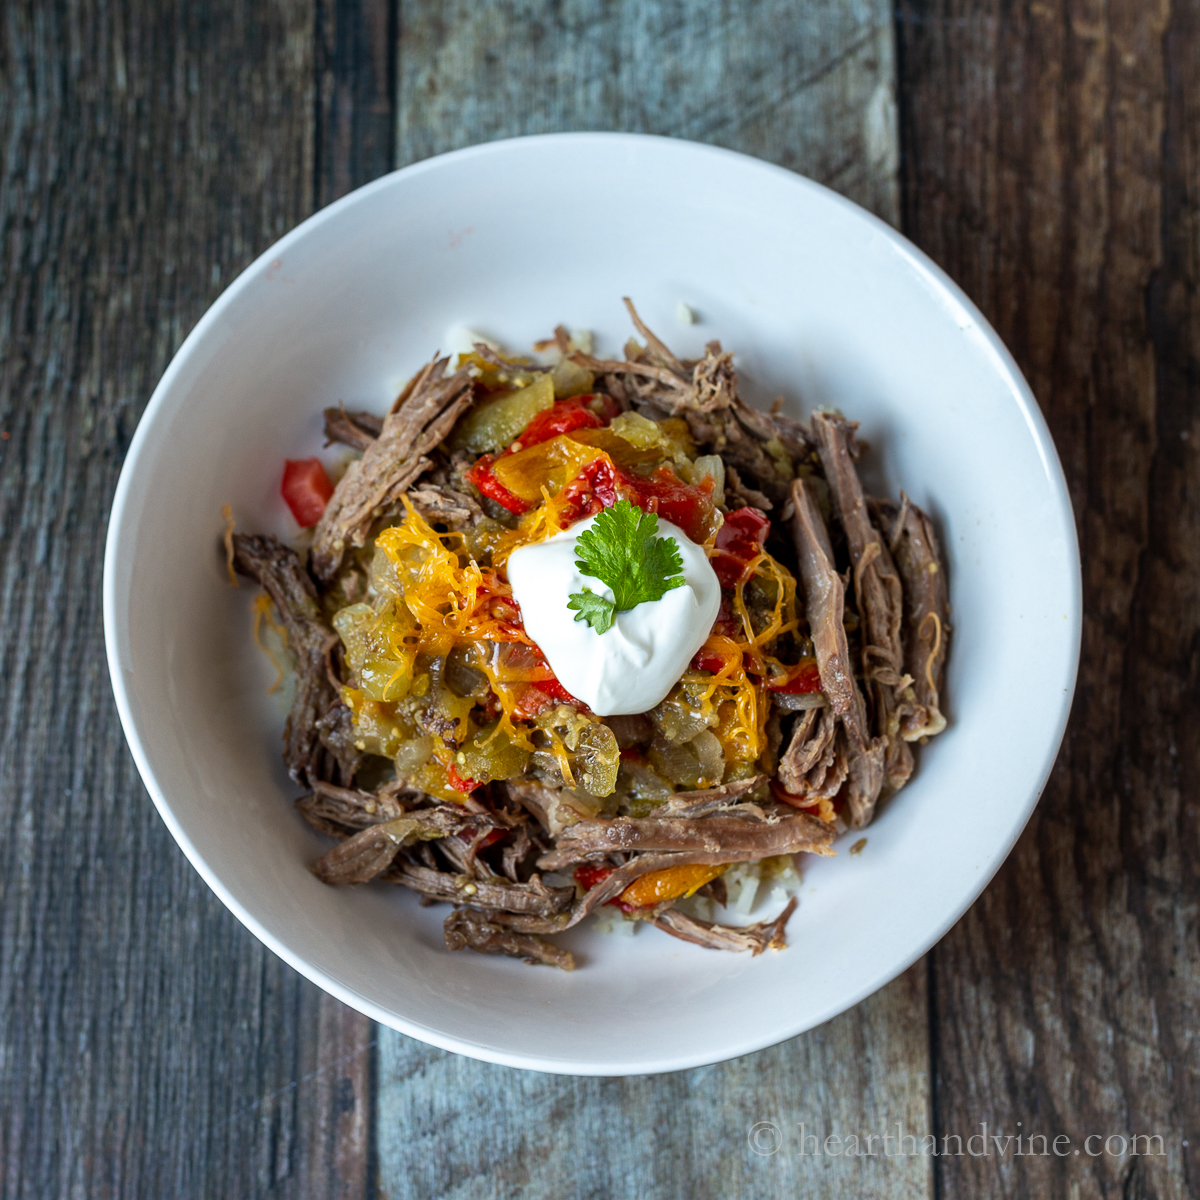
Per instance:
{"type": "Point", "coordinates": [459, 784]}
{"type": "Point", "coordinates": [686, 505]}
{"type": "Point", "coordinates": [588, 875]}
{"type": "Point", "coordinates": [484, 478]}
{"type": "Point", "coordinates": [739, 542]}
{"type": "Point", "coordinates": [576, 412]}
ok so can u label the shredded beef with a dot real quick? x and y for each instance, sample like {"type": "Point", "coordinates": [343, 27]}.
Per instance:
{"type": "Point", "coordinates": [824, 599]}
{"type": "Point", "coordinates": [467, 929]}
{"type": "Point", "coordinates": [926, 612]}
{"type": "Point", "coordinates": [444, 506]}
{"type": "Point", "coordinates": [553, 808]}
{"type": "Point", "coordinates": [354, 429]}
{"type": "Point", "coordinates": [371, 851]}
{"type": "Point", "coordinates": [881, 665]}
{"type": "Point", "coordinates": [810, 765]}
{"type": "Point", "coordinates": [755, 938]}
{"type": "Point", "coordinates": [877, 591]}
{"type": "Point", "coordinates": [278, 569]}
{"type": "Point", "coordinates": [338, 811]}
{"type": "Point", "coordinates": [533, 898]}
{"type": "Point", "coordinates": [730, 837]}
{"type": "Point", "coordinates": [423, 415]}
{"type": "Point", "coordinates": [706, 800]}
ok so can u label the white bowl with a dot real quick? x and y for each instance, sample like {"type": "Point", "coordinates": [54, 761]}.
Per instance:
{"type": "Point", "coordinates": [823, 304]}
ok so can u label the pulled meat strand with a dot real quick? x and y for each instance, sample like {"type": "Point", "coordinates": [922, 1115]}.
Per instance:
{"type": "Point", "coordinates": [533, 898]}
{"type": "Point", "coordinates": [755, 938]}
{"type": "Point", "coordinates": [825, 602]}
{"type": "Point", "coordinates": [862, 755]}
{"type": "Point", "coordinates": [466, 929]}
{"type": "Point", "coordinates": [657, 349]}
{"type": "Point", "coordinates": [553, 808]}
{"type": "Point", "coordinates": [926, 613]}
{"type": "Point", "coordinates": [728, 837]}
{"type": "Point", "coordinates": [814, 764]}
{"type": "Point", "coordinates": [278, 570]}
{"type": "Point", "coordinates": [354, 429]}
{"type": "Point", "coordinates": [877, 591]}
{"type": "Point", "coordinates": [337, 811]}
{"type": "Point", "coordinates": [422, 417]}
{"type": "Point", "coordinates": [745, 495]}
{"type": "Point", "coordinates": [444, 506]}
{"type": "Point", "coordinates": [371, 851]}
{"type": "Point", "coordinates": [700, 803]}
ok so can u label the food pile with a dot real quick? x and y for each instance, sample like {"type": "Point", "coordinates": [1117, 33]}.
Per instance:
{"type": "Point", "coordinates": [438, 746]}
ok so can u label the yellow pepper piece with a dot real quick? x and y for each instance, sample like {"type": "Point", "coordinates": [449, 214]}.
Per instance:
{"type": "Point", "coordinates": [669, 884]}
{"type": "Point", "coordinates": [548, 464]}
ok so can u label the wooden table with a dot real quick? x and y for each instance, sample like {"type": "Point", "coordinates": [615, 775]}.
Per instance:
{"type": "Point", "coordinates": [1043, 151]}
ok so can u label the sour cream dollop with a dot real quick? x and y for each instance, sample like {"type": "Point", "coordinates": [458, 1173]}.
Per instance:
{"type": "Point", "coordinates": [633, 665]}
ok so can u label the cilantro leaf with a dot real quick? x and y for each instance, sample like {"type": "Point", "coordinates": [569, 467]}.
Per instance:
{"type": "Point", "coordinates": [622, 550]}
{"type": "Point", "coordinates": [597, 611]}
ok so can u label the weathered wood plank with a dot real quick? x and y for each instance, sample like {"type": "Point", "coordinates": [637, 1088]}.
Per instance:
{"type": "Point", "coordinates": [1050, 165]}
{"type": "Point", "coordinates": [812, 90]}
{"type": "Point", "coordinates": [355, 135]}
{"type": "Point", "coordinates": [809, 87]}
{"type": "Point", "coordinates": [453, 1128]}
{"type": "Point", "coordinates": [149, 1046]}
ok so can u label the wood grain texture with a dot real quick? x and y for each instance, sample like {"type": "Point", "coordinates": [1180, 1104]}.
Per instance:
{"type": "Point", "coordinates": [1051, 154]}
{"type": "Point", "coordinates": [149, 1046]}
{"type": "Point", "coordinates": [808, 86]}
{"type": "Point", "coordinates": [456, 1129]}
{"type": "Point", "coordinates": [355, 133]}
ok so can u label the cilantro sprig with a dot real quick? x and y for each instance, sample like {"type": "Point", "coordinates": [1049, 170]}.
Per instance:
{"type": "Point", "coordinates": [622, 550]}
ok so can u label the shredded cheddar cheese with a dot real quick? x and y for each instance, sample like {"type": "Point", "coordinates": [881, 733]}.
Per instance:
{"type": "Point", "coordinates": [227, 517]}
{"type": "Point", "coordinates": [264, 610]}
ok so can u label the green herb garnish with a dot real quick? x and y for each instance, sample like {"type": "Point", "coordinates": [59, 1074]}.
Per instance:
{"type": "Point", "coordinates": [622, 550]}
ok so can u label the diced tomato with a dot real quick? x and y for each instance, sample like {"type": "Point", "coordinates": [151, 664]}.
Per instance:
{"type": "Point", "coordinates": [484, 478]}
{"type": "Point", "coordinates": [531, 703]}
{"type": "Point", "coordinates": [687, 505]}
{"type": "Point", "coordinates": [556, 691]}
{"type": "Point", "coordinates": [804, 677]}
{"type": "Point", "coordinates": [459, 784]}
{"type": "Point", "coordinates": [543, 690]}
{"type": "Point", "coordinates": [576, 412]}
{"type": "Point", "coordinates": [739, 542]}
{"type": "Point", "coordinates": [702, 660]}
{"type": "Point", "coordinates": [540, 696]}
{"type": "Point", "coordinates": [306, 488]}
{"type": "Point", "coordinates": [601, 484]}
{"type": "Point", "coordinates": [594, 488]}
{"type": "Point", "coordinates": [588, 875]}
{"type": "Point", "coordinates": [726, 624]}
